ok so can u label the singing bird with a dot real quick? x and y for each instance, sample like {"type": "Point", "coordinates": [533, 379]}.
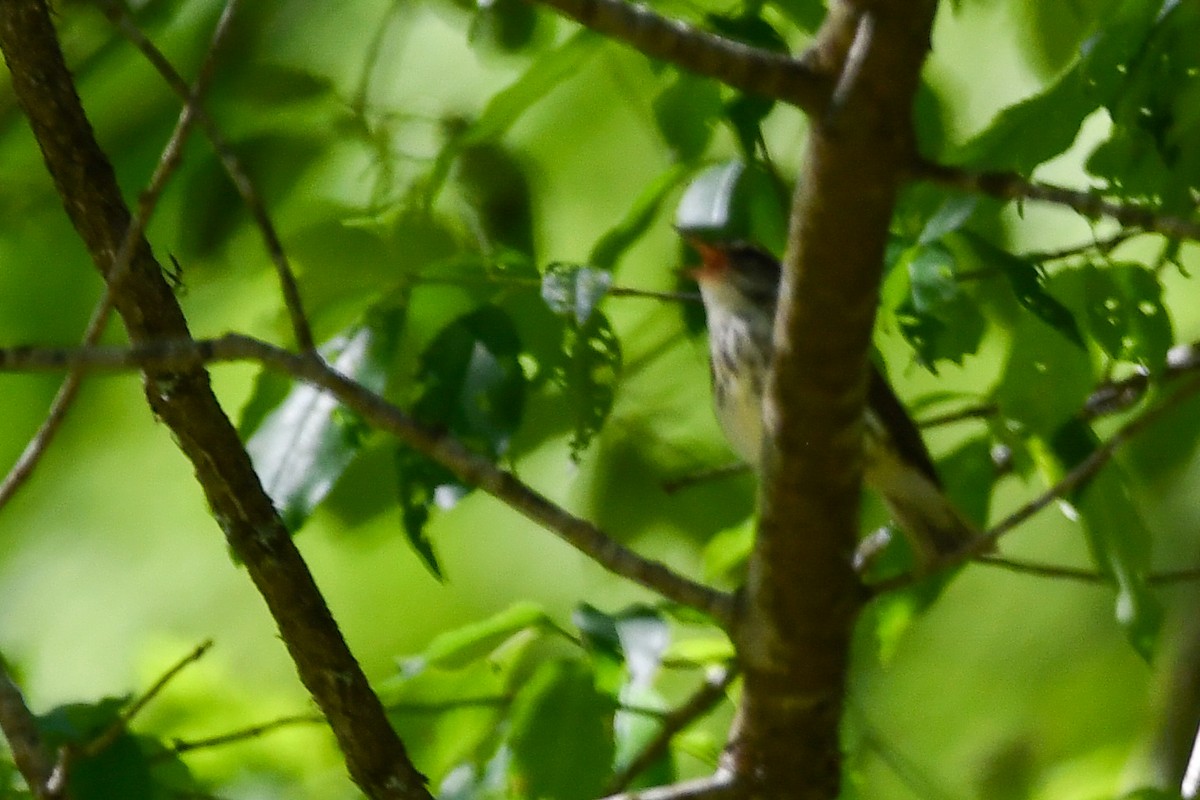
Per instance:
{"type": "Point", "coordinates": [739, 283]}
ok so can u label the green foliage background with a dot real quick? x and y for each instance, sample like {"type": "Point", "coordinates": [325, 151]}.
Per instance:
{"type": "Point", "coordinates": [569, 149]}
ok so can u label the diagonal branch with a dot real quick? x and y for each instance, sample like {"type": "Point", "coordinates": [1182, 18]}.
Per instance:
{"type": "Point", "coordinates": [751, 69]}
{"type": "Point", "coordinates": [182, 354]}
{"type": "Point", "coordinates": [183, 400]}
{"type": "Point", "coordinates": [1011, 186]}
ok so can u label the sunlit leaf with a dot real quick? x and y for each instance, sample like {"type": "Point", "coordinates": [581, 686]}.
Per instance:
{"type": "Point", "coordinates": [463, 645]}
{"type": "Point", "coordinates": [1126, 316]}
{"type": "Point", "coordinates": [303, 446]}
{"type": "Point", "coordinates": [574, 290]}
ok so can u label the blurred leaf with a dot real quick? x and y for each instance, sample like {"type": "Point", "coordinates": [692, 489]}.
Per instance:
{"type": "Point", "coordinates": [1126, 316]}
{"type": "Point", "coordinates": [504, 25]}
{"type": "Point", "coordinates": [469, 643]}
{"type": "Point", "coordinates": [279, 84]}
{"type": "Point", "coordinates": [1040, 127]}
{"type": "Point", "coordinates": [303, 446]}
{"type": "Point", "coordinates": [1150, 153]}
{"type": "Point", "coordinates": [1117, 536]}
{"type": "Point", "coordinates": [1039, 360]}
{"type": "Point", "coordinates": [726, 553]}
{"type": "Point", "coordinates": [472, 383]}
{"type": "Point", "coordinates": [636, 636]}
{"type": "Point", "coordinates": [637, 220]}
{"type": "Point", "coordinates": [1026, 281]}
{"type": "Point", "coordinates": [496, 187]}
{"type": "Point", "coordinates": [562, 738]}
{"type": "Point", "coordinates": [746, 112]}
{"type": "Point", "coordinates": [421, 485]}
{"type": "Point", "coordinates": [807, 14]}
{"type": "Point", "coordinates": [575, 291]}
{"type": "Point", "coordinates": [686, 112]}
{"type": "Point", "coordinates": [212, 207]}
{"type": "Point", "coordinates": [969, 477]}
{"type": "Point", "coordinates": [954, 212]}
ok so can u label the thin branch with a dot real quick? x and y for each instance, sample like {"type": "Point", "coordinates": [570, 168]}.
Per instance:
{"type": "Point", "coordinates": [1079, 475]}
{"type": "Point", "coordinates": [20, 729]}
{"type": "Point", "coordinates": [168, 163]}
{"type": "Point", "coordinates": [1102, 246]}
{"type": "Point", "coordinates": [1010, 186]}
{"type": "Point", "coordinates": [703, 700]}
{"type": "Point", "coordinates": [246, 189]}
{"type": "Point", "coordinates": [455, 456]}
{"type": "Point", "coordinates": [751, 69]}
{"type": "Point", "coordinates": [121, 724]}
{"type": "Point", "coordinates": [1057, 572]}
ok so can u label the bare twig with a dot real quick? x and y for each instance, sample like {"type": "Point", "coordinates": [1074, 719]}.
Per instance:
{"type": "Point", "coordinates": [703, 700]}
{"type": "Point", "coordinates": [465, 464]}
{"type": "Point", "coordinates": [743, 67]}
{"type": "Point", "coordinates": [20, 729]}
{"type": "Point", "coordinates": [1080, 575]}
{"type": "Point", "coordinates": [168, 162]}
{"type": "Point", "coordinates": [1010, 186]}
{"type": "Point", "coordinates": [301, 330]}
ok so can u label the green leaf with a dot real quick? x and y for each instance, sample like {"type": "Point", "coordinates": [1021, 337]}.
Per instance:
{"type": "Point", "coordinates": [686, 112]}
{"type": "Point", "coordinates": [1046, 379]}
{"type": "Point", "coordinates": [969, 477]}
{"type": "Point", "coordinates": [726, 553]}
{"type": "Point", "coordinates": [589, 376]}
{"type": "Point", "coordinates": [562, 737]}
{"type": "Point", "coordinates": [1026, 281]}
{"type": "Point", "coordinates": [937, 318]}
{"type": "Point", "coordinates": [503, 25]}
{"type": "Point", "coordinates": [303, 446]}
{"type": "Point", "coordinates": [1126, 315]}
{"type": "Point", "coordinates": [636, 636]}
{"type": "Point", "coordinates": [574, 290]}
{"type": "Point", "coordinates": [472, 382]}
{"type": "Point", "coordinates": [459, 647]}
{"type": "Point", "coordinates": [1117, 536]}
{"type": "Point", "coordinates": [422, 485]}
{"type": "Point", "coordinates": [931, 277]}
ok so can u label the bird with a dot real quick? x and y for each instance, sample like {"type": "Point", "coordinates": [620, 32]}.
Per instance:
{"type": "Point", "coordinates": [739, 285]}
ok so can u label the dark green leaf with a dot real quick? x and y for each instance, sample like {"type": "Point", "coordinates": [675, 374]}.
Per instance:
{"type": "Point", "coordinates": [495, 185]}
{"type": "Point", "coordinates": [969, 476]}
{"type": "Point", "coordinates": [574, 290]}
{"type": "Point", "coordinates": [1026, 282]}
{"type": "Point", "coordinates": [938, 320]}
{"type": "Point", "coordinates": [1126, 316]}
{"type": "Point", "coordinates": [472, 382]}
{"type": "Point", "coordinates": [686, 113]}
{"type": "Point", "coordinates": [305, 444]}
{"type": "Point", "coordinates": [589, 376]}
{"type": "Point", "coordinates": [421, 486]}
{"type": "Point", "coordinates": [1046, 379]}
{"type": "Point", "coordinates": [504, 25]}
{"type": "Point", "coordinates": [562, 738]}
